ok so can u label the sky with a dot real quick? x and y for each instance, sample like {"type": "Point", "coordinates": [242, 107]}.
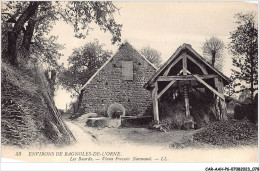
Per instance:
{"type": "Point", "coordinates": [161, 25]}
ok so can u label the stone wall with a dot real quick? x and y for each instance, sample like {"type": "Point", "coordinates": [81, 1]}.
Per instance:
{"type": "Point", "coordinates": [109, 87]}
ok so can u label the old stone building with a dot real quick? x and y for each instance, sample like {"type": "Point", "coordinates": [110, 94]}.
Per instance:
{"type": "Point", "coordinates": [119, 80]}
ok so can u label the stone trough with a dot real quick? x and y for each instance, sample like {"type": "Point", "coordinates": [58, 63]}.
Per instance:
{"type": "Point", "coordinates": [116, 118]}
{"type": "Point", "coordinates": [135, 121]}
{"type": "Point", "coordinates": [115, 111]}
{"type": "Point", "coordinates": [126, 121]}
{"type": "Point", "coordinates": [102, 122]}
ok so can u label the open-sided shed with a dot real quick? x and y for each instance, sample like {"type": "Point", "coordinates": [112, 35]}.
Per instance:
{"type": "Point", "coordinates": [184, 72]}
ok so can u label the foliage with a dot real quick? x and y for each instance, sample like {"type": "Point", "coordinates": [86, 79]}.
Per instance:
{"type": "Point", "coordinates": [24, 112]}
{"type": "Point", "coordinates": [228, 133]}
{"type": "Point", "coordinates": [213, 50]}
{"type": "Point", "coordinates": [152, 55]}
{"type": "Point", "coordinates": [46, 50]}
{"type": "Point", "coordinates": [83, 63]}
{"type": "Point", "coordinates": [229, 89]}
{"type": "Point", "coordinates": [32, 21]}
{"type": "Point", "coordinates": [244, 47]}
{"type": "Point", "coordinates": [247, 110]}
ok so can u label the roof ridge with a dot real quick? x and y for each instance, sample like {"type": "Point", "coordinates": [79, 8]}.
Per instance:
{"type": "Point", "coordinates": [165, 64]}
{"type": "Point", "coordinates": [93, 76]}
{"type": "Point", "coordinates": [143, 56]}
{"type": "Point", "coordinates": [210, 65]}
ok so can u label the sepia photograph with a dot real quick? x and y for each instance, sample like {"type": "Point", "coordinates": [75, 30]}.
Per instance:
{"type": "Point", "coordinates": [130, 82]}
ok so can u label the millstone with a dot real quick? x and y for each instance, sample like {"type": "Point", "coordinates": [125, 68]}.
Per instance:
{"type": "Point", "coordinates": [116, 110]}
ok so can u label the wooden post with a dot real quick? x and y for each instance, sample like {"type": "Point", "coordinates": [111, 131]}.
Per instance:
{"type": "Point", "coordinates": [217, 101]}
{"type": "Point", "coordinates": [186, 98]}
{"type": "Point", "coordinates": [220, 103]}
{"type": "Point", "coordinates": [184, 64]}
{"type": "Point", "coordinates": [155, 103]}
{"type": "Point", "coordinates": [185, 88]}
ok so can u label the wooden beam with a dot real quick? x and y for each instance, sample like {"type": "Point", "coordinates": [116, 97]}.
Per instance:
{"type": "Point", "coordinates": [173, 64]}
{"type": "Point", "coordinates": [209, 87]}
{"type": "Point", "coordinates": [165, 89]}
{"type": "Point", "coordinates": [184, 64]}
{"type": "Point", "coordinates": [196, 89]}
{"type": "Point", "coordinates": [155, 103]}
{"type": "Point", "coordinates": [180, 72]}
{"type": "Point", "coordinates": [184, 78]}
{"type": "Point", "coordinates": [201, 66]}
{"type": "Point", "coordinates": [152, 83]}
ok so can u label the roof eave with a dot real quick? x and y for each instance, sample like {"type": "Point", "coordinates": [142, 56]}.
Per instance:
{"type": "Point", "coordinates": [176, 53]}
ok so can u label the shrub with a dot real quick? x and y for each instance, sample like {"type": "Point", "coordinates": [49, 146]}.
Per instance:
{"type": "Point", "coordinates": [246, 110]}
{"type": "Point", "coordinates": [228, 133]}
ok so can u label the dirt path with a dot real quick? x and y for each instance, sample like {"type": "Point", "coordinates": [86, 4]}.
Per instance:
{"type": "Point", "coordinates": [131, 143]}
{"type": "Point", "coordinates": [120, 137]}
{"type": "Point", "coordinates": [81, 135]}
{"type": "Point", "coordinates": [143, 142]}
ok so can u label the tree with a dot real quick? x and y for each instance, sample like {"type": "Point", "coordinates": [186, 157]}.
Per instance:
{"type": "Point", "coordinates": [33, 20]}
{"type": "Point", "coordinates": [83, 63]}
{"type": "Point", "coordinates": [36, 46]}
{"type": "Point", "coordinates": [213, 50]}
{"type": "Point", "coordinates": [244, 47]}
{"type": "Point", "coordinates": [152, 55]}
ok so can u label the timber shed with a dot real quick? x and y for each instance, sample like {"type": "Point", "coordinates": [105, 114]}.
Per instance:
{"type": "Point", "coordinates": [119, 80]}
{"type": "Point", "coordinates": [188, 86]}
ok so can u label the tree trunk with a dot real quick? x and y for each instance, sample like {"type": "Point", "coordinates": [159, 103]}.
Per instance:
{"type": "Point", "coordinates": [11, 49]}
{"type": "Point", "coordinates": [19, 25]}
{"type": "Point", "coordinates": [28, 35]}
{"type": "Point", "coordinates": [252, 77]}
